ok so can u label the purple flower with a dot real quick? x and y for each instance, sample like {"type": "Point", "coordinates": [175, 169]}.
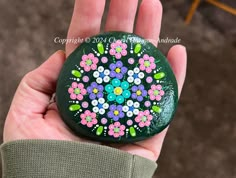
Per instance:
{"type": "Point", "coordinates": [117, 70]}
{"type": "Point", "coordinates": [115, 112]}
{"type": "Point", "coordinates": [138, 92]}
{"type": "Point", "coordinates": [95, 90]}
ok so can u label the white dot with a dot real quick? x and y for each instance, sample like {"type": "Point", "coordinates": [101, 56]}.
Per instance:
{"type": "Point", "coordinates": [96, 74]}
{"type": "Point", "coordinates": [136, 111]}
{"type": "Point", "coordinates": [137, 81]}
{"type": "Point", "coordinates": [82, 71]}
{"type": "Point", "coordinates": [105, 105]}
{"type": "Point", "coordinates": [100, 69]}
{"type": "Point", "coordinates": [98, 54]}
{"type": "Point", "coordinates": [130, 79]}
{"type": "Point", "coordinates": [139, 55]}
{"type": "Point", "coordinates": [141, 75]}
{"type": "Point", "coordinates": [125, 108]}
{"type": "Point", "coordinates": [106, 79]}
{"type": "Point", "coordinates": [130, 103]}
{"type": "Point", "coordinates": [106, 72]}
{"type": "Point", "coordinates": [130, 72]}
{"type": "Point", "coordinates": [129, 113]}
{"type": "Point", "coordinates": [101, 100]}
{"type": "Point", "coordinates": [105, 52]}
{"type": "Point", "coordinates": [101, 111]}
{"type": "Point", "coordinates": [95, 109]}
{"type": "Point", "coordinates": [136, 70]}
{"type": "Point", "coordinates": [136, 104]}
{"type": "Point", "coordinates": [95, 102]}
{"type": "Point", "coordinates": [105, 127]}
{"type": "Point", "coordinates": [131, 51]}
{"type": "Point", "coordinates": [99, 80]}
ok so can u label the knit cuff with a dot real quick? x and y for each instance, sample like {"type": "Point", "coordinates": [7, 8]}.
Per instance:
{"type": "Point", "coordinates": [51, 158]}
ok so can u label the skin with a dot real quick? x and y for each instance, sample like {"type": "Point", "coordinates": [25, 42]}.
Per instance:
{"type": "Point", "coordinates": [32, 116]}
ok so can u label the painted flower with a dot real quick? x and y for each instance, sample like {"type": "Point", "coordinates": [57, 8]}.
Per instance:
{"type": "Point", "coordinates": [135, 76]}
{"type": "Point", "coordinates": [95, 91]}
{"type": "Point", "coordinates": [115, 112]}
{"type": "Point", "coordinates": [156, 92]}
{"type": "Point", "coordinates": [144, 118]}
{"type": "Point", "coordinates": [147, 63]}
{"type": "Point", "coordinates": [117, 91]}
{"type": "Point", "coordinates": [77, 91]}
{"type": "Point", "coordinates": [102, 75]}
{"type": "Point", "coordinates": [118, 49]}
{"type": "Point", "coordinates": [89, 62]}
{"type": "Point", "coordinates": [116, 130]}
{"type": "Point", "coordinates": [100, 106]}
{"type": "Point", "coordinates": [138, 92]}
{"type": "Point", "coordinates": [88, 118]}
{"type": "Point", "coordinates": [131, 108]}
{"type": "Point", "coordinates": [117, 70]}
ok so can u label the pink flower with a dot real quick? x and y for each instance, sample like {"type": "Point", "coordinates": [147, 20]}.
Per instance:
{"type": "Point", "coordinates": [88, 118]}
{"type": "Point", "coordinates": [77, 91]}
{"type": "Point", "coordinates": [89, 62]}
{"type": "Point", "coordinates": [147, 63]}
{"type": "Point", "coordinates": [116, 130]}
{"type": "Point", "coordinates": [144, 118]}
{"type": "Point", "coordinates": [156, 92]}
{"type": "Point", "coordinates": [118, 49]}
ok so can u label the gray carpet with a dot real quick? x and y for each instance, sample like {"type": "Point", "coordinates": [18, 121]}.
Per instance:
{"type": "Point", "coordinates": [201, 140]}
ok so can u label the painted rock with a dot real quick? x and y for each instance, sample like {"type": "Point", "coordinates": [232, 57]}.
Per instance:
{"type": "Point", "coordinates": [116, 87]}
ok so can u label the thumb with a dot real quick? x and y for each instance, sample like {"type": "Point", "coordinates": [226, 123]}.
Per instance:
{"type": "Point", "coordinates": [35, 89]}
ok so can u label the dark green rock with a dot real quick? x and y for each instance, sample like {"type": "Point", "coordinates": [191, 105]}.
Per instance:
{"type": "Point", "coordinates": [116, 87]}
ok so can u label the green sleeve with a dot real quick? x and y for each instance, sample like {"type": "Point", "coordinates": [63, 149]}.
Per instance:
{"type": "Point", "coordinates": [48, 158]}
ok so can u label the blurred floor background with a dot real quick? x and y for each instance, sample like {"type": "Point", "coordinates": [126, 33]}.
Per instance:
{"type": "Point", "coordinates": [201, 142]}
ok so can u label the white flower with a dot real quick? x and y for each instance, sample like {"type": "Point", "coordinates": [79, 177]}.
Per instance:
{"type": "Point", "coordinates": [135, 76]}
{"type": "Point", "coordinates": [131, 108]}
{"type": "Point", "coordinates": [100, 106]}
{"type": "Point", "coordinates": [102, 75]}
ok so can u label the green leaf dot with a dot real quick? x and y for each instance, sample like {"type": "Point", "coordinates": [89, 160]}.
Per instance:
{"type": "Point", "coordinates": [99, 130]}
{"type": "Point", "coordinates": [74, 107]}
{"type": "Point", "coordinates": [159, 75]}
{"type": "Point", "coordinates": [156, 109]}
{"type": "Point", "coordinates": [132, 131]}
{"type": "Point", "coordinates": [76, 73]}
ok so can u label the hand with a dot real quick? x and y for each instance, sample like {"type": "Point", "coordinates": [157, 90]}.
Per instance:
{"type": "Point", "coordinates": [32, 117]}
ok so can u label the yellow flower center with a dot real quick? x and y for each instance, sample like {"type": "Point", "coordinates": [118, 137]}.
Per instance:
{"type": "Point", "coordinates": [118, 90]}
{"type": "Point", "coordinates": [95, 90]}
{"type": "Point", "coordinates": [116, 112]}
{"type": "Point", "coordinates": [117, 70]}
{"type": "Point", "coordinates": [138, 92]}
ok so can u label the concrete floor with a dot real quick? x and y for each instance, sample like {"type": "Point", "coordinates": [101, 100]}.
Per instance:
{"type": "Point", "coordinates": [201, 140]}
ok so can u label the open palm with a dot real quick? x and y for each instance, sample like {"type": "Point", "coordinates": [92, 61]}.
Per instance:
{"type": "Point", "coordinates": [32, 116]}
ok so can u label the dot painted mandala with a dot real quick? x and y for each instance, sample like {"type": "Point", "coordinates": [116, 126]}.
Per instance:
{"type": "Point", "coordinates": [118, 87]}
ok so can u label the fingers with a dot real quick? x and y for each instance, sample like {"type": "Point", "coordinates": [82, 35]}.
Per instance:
{"type": "Point", "coordinates": [60, 130]}
{"type": "Point", "coordinates": [36, 88]}
{"type": "Point", "coordinates": [154, 144]}
{"type": "Point", "coordinates": [149, 20]}
{"type": "Point", "coordinates": [177, 57]}
{"type": "Point", "coordinates": [85, 22]}
{"type": "Point", "coordinates": [121, 15]}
